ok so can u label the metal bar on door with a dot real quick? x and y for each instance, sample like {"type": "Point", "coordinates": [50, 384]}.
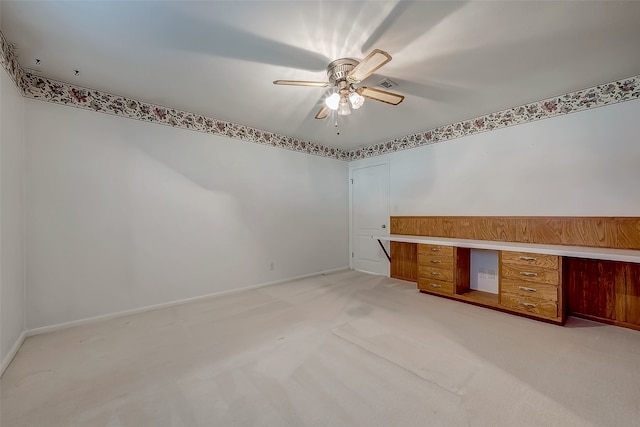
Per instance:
{"type": "Point", "coordinates": [384, 249]}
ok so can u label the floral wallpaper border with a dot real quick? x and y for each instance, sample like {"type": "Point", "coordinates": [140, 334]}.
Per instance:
{"type": "Point", "coordinates": [37, 87]}
{"type": "Point", "coordinates": [63, 93]}
{"type": "Point", "coordinates": [609, 93]}
{"type": "Point", "coordinates": [9, 61]}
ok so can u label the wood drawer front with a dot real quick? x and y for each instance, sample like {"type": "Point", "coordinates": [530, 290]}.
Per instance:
{"type": "Point", "coordinates": [437, 262]}
{"type": "Point", "coordinates": [524, 258]}
{"type": "Point", "coordinates": [437, 286]}
{"type": "Point", "coordinates": [428, 272]}
{"type": "Point", "coordinates": [530, 289]}
{"type": "Point", "coordinates": [435, 250]}
{"type": "Point", "coordinates": [530, 274]}
{"type": "Point", "coordinates": [534, 306]}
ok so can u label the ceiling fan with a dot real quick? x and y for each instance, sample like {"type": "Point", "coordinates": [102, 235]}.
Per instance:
{"type": "Point", "coordinates": [343, 74]}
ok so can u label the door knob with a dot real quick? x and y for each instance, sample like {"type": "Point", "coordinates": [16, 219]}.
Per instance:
{"type": "Point", "coordinates": [384, 226]}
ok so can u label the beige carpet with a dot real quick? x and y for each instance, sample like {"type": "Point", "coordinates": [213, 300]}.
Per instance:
{"type": "Point", "coordinates": [345, 349]}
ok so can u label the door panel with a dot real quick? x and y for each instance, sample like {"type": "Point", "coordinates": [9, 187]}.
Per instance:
{"type": "Point", "coordinates": [370, 216]}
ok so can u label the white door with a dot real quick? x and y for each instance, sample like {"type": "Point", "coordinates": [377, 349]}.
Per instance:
{"type": "Point", "coordinates": [370, 217]}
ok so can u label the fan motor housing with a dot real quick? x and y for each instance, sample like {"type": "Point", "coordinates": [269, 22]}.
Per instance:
{"type": "Point", "coordinates": [339, 69]}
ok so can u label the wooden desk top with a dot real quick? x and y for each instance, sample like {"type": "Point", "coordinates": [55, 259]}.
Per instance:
{"type": "Point", "coordinates": [607, 254]}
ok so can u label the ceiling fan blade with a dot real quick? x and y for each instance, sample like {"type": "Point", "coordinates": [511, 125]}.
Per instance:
{"type": "Point", "coordinates": [381, 95]}
{"type": "Point", "coordinates": [376, 59]}
{"type": "Point", "coordinates": [323, 112]}
{"type": "Point", "coordinates": [300, 83]}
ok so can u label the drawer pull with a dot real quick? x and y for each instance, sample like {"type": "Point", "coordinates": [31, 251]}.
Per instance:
{"type": "Point", "coordinates": [524, 288]}
{"type": "Point", "coordinates": [527, 304]}
{"type": "Point", "coordinates": [435, 285]}
{"type": "Point", "coordinates": [435, 273]}
{"type": "Point", "coordinates": [528, 274]}
{"type": "Point", "coordinates": [528, 258]}
{"type": "Point", "coordinates": [435, 249]}
{"type": "Point", "coordinates": [436, 261]}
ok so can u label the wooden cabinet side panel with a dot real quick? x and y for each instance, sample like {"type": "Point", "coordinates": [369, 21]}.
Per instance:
{"type": "Point", "coordinates": [563, 307]}
{"type": "Point", "coordinates": [632, 294]}
{"type": "Point", "coordinates": [595, 288]}
{"type": "Point", "coordinates": [609, 274]}
{"type": "Point", "coordinates": [404, 261]}
{"type": "Point", "coordinates": [591, 289]}
{"type": "Point", "coordinates": [580, 273]}
{"type": "Point", "coordinates": [462, 267]}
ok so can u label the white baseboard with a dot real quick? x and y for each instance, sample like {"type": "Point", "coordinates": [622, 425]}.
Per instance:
{"type": "Point", "coordinates": [12, 352]}
{"type": "Point", "coordinates": [65, 325]}
{"type": "Point", "coordinates": [371, 272]}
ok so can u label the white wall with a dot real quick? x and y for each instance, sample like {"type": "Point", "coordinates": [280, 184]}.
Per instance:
{"type": "Point", "coordinates": [123, 214]}
{"type": "Point", "coordinates": [11, 218]}
{"type": "Point", "coordinates": [586, 163]}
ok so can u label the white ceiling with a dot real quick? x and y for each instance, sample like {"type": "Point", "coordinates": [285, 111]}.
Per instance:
{"type": "Point", "coordinates": [452, 60]}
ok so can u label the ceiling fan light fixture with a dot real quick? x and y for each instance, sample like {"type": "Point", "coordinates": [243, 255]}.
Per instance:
{"type": "Point", "coordinates": [343, 108]}
{"type": "Point", "coordinates": [333, 101]}
{"type": "Point", "coordinates": [343, 74]}
{"type": "Point", "coordinates": [356, 100]}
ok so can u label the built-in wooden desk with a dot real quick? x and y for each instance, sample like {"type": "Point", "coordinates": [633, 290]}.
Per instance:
{"type": "Point", "coordinates": [542, 281]}
{"type": "Point", "coordinates": [624, 255]}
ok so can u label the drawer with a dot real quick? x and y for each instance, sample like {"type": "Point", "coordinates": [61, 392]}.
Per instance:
{"type": "Point", "coordinates": [435, 250]}
{"type": "Point", "coordinates": [524, 258]}
{"type": "Point", "coordinates": [428, 272]}
{"type": "Point", "coordinates": [437, 262]}
{"type": "Point", "coordinates": [533, 306]}
{"type": "Point", "coordinates": [529, 289]}
{"type": "Point", "coordinates": [436, 286]}
{"type": "Point", "coordinates": [530, 273]}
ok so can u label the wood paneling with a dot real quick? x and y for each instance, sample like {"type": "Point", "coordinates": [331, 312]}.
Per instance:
{"type": "Point", "coordinates": [628, 233]}
{"type": "Point", "coordinates": [404, 261]}
{"type": "Point", "coordinates": [605, 232]}
{"type": "Point", "coordinates": [605, 290]}
{"type": "Point", "coordinates": [595, 232]}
